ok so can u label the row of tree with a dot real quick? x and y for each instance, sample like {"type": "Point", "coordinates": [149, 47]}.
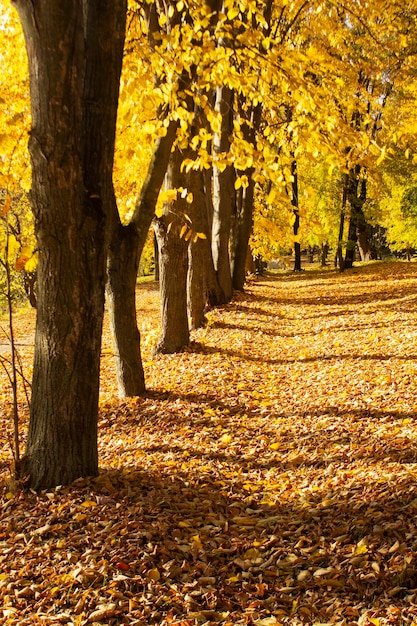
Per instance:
{"type": "Point", "coordinates": [231, 106]}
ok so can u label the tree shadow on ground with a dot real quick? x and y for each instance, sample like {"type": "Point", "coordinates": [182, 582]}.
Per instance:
{"type": "Point", "coordinates": [343, 549]}
{"type": "Point", "coordinates": [245, 356]}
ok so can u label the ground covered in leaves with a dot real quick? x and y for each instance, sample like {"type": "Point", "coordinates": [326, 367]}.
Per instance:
{"type": "Point", "coordinates": [268, 477]}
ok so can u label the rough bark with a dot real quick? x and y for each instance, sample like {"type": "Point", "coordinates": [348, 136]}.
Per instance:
{"type": "Point", "coordinates": [173, 265]}
{"type": "Point", "coordinates": [243, 229]}
{"type": "Point", "coordinates": [126, 246]}
{"type": "Point", "coordinates": [244, 202]}
{"type": "Point", "coordinates": [296, 226]}
{"type": "Point", "coordinates": [339, 260]}
{"type": "Point", "coordinates": [202, 287]}
{"type": "Point", "coordinates": [223, 194]}
{"type": "Point", "coordinates": [122, 271]}
{"type": "Point", "coordinates": [75, 52]}
{"type": "Point", "coordinates": [356, 197]}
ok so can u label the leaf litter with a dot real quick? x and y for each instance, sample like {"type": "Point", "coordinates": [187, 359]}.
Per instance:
{"type": "Point", "coordinates": [267, 477]}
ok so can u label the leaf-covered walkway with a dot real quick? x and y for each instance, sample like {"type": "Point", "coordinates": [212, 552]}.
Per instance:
{"type": "Point", "coordinates": [268, 477]}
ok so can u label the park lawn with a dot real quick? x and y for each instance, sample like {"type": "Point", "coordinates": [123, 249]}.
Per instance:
{"type": "Point", "coordinates": [267, 477]}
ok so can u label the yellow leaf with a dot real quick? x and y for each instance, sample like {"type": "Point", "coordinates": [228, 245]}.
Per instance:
{"type": "Point", "coordinates": [238, 183]}
{"type": "Point", "coordinates": [232, 13]}
{"type": "Point", "coordinates": [196, 542]}
{"type": "Point", "coordinates": [226, 438]}
{"type": "Point", "coordinates": [183, 231]}
{"type": "Point", "coordinates": [275, 446]}
{"type": "Point", "coordinates": [216, 124]}
{"type": "Point", "coordinates": [23, 257]}
{"type": "Point", "coordinates": [252, 553]}
{"type": "Point", "coordinates": [7, 205]}
{"type": "Point", "coordinates": [271, 196]}
{"type": "Point", "coordinates": [162, 19]}
{"type": "Point", "coordinates": [232, 579]}
{"type": "Point", "coordinates": [32, 263]}
{"type": "Point", "coordinates": [88, 503]}
{"type": "Point", "coordinates": [153, 574]}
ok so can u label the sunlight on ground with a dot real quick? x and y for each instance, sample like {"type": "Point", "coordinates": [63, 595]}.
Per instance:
{"type": "Point", "coordinates": [267, 477]}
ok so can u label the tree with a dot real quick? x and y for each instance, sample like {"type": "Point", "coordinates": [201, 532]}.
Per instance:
{"type": "Point", "coordinates": [75, 53]}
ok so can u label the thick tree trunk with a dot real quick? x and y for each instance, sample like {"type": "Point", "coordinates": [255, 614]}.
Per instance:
{"type": "Point", "coordinates": [75, 52]}
{"type": "Point", "coordinates": [173, 265]}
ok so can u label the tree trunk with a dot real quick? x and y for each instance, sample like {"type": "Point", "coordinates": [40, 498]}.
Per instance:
{"type": "Point", "coordinates": [243, 230]}
{"type": "Point", "coordinates": [339, 260]}
{"type": "Point", "coordinates": [356, 196]}
{"type": "Point", "coordinates": [296, 226]}
{"type": "Point", "coordinates": [156, 259]}
{"type": "Point", "coordinates": [173, 264]}
{"type": "Point", "coordinates": [252, 116]}
{"type": "Point", "coordinates": [126, 245]}
{"type": "Point", "coordinates": [202, 286]}
{"type": "Point", "coordinates": [75, 53]}
{"type": "Point", "coordinates": [197, 260]}
{"type": "Point", "coordinates": [362, 229]}
{"type": "Point", "coordinates": [122, 271]}
{"type": "Point", "coordinates": [223, 194]}
{"type": "Point", "coordinates": [324, 253]}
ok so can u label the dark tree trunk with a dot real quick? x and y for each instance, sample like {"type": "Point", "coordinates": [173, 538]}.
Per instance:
{"type": "Point", "coordinates": [323, 254]}
{"type": "Point", "coordinates": [339, 260]}
{"type": "Point", "coordinates": [122, 270]}
{"type": "Point", "coordinates": [362, 229]}
{"type": "Point", "coordinates": [296, 226]}
{"type": "Point", "coordinates": [244, 202]}
{"type": "Point", "coordinates": [356, 196]}
{"type": "Point", "coordinates": [75, 53]}
{"type": "Point", "coordinates": [223, 194]}
{"type": "Point", "coordinates": [173, 264]}
{"type": "Point", "coordinates": [196, 297]}
{"type": "Point", "coordinates": [243, 230]}
{"type": "Point", "coordinates": [202, 286]}
{"type": "Point", "coordinates": [215, 295]}
{"type": "Point", "coordinates": [156, 258]}
{"type": "Point", "coordinates": [126, 246]}
{"type": "Point", "coordinates": [245, 197]}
